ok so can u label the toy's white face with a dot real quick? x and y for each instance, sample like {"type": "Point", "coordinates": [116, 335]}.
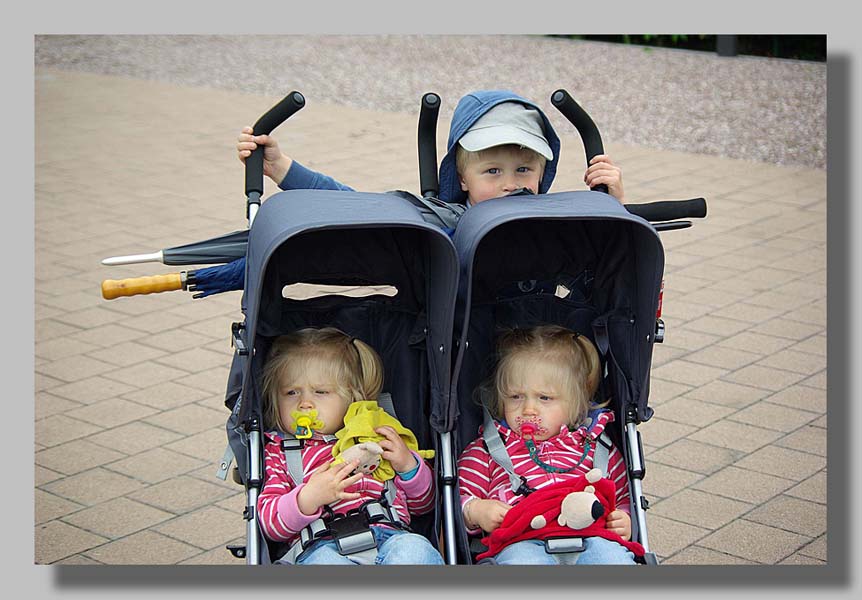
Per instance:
{"type": "Point", "coordinates": [535, 398]}
{"type": "Point", "coordinates": [312, 391]}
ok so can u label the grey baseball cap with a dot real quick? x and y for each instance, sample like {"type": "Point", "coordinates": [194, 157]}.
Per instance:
{"type": "Point", "coordinates": [508, 123]}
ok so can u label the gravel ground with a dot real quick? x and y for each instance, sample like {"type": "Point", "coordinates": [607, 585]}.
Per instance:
{"type": "Point", "coordinates": [768, 110]}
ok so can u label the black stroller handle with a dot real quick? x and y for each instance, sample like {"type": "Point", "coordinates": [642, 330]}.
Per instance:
{"type": "Point", "coordinates": [669, 210]}
{"type": "Point", "coordinates": [274, 117]}
{"type": "Point", "coordinates": [428, 182]}
{"type": "Point", "coordinates": [588, 131]}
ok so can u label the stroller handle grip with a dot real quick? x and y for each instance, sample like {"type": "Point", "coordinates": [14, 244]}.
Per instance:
{"type": "Point", "coordinates": [274, 117]}
{"type": "Point", "coordinates": [669, 210]}
{"type": "Point", "coordinates": [115, 288]}
{"type": "Point", "coordinates": [430, 108]}
{"type": "Point", "coordinates": [587, 129]}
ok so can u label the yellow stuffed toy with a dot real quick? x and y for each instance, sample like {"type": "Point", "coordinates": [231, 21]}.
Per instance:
{"type": "Point", "coordinates": [360, 421]}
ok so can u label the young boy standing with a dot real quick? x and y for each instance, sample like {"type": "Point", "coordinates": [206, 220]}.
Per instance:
{"type": "Point", "coordinates": [498, 142]}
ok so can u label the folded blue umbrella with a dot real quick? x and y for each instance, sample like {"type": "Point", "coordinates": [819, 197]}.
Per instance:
{"type": "Point", "coordinates": [218, 279]}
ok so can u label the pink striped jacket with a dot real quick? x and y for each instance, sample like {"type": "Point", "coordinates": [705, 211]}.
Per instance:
{"type": "Point", "coordinates": [280, 517]}
{"type": "Point", "coordinates": [479, 476]}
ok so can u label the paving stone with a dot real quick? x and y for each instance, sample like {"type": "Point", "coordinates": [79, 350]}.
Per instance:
{"type": "Point", "coordinates": [750, 313]}
{"type": "Point", "coordinates": [76, 456]}
{"type": "Point", "coordinates": [756, 342]}
{"type": "Point", "coordinates": [660, 432]}
{"type": "Point", "coordinates": [47, 404]}
{"type": "Point", "coordinates": [806, 439]}
{"type": "Point", "coordinates": [43, 475]}
{"type": "Point", "coordinates": [56, 540]}
{"type": "Point", "coordinates": [764, 377]}
{"type": "Point", "coordinates": [143, 548]}
{"type": "Point", "coordinates": [693, 412]}
{"type": "Point", "coordinates": [662, 481]}
{"type": "Point", "coordinates": [799, 362]}
{"type": "Point", "coordinates": [208, 445]}
{"type": "Point", "coordinates": [153, 466]}
{"type": "Point", "coordinates": [74, 368]}
{"type": "Point", "coordinates": [798, 558]}
{"type": "Point", "coordinates": [111, 413]}
{"type": "Point", "coordinates": [755, 542]}
{"type": "Point", "coordinates": [117, 518]}
{"type": "Point", "coordinates": [91, 390]}
{"type": "Point", "coordinates": [167, 395]}
{"type": "Point", "coordinates": [812, 489]}
{"type": "Point", "coordinates": [108, 335]}
{"type": "Point", "coordinates": [696, 555]}
{"type": "Point", "coordinates": [181, 494]}
{"type": "Point", "coordinates": [213, 381]}
{"type": "Point", "coordinates": [194, 360]}
{"type": "Point", "coordinates": [816, 549]}
{"type": "Point", "coordinates": [700, 508]}
{"type": "Point", "coordinates": [688, 373]}
{"type": "Point", "coordinates": [53, 349]}
{"type": "Point", "coordinates": [741, 484]}
{"type": "Point", "coordinates": [58, 429]}
{"type": "Point", "coordinates": [791, 514]}
{"type": "Point", "coordinates": [739, 436]}
{"type": "Point", "coordinates": [695, 456]}
{"type": "Point", "coordinates": [218, 556]}
{"type": "Point", "coordinates": [801, 397]}
{"type": "Point", "coordinates": [817, 381]}
{"type": "Point", "coordinates": [724, 357]}
{"type": "Point", "coordinates": [205, 528]}
{"type": "Point", "coordinates": [126, 354]}
{"type": "Point", "coordinates": [50, 507]}
{"type": "Point", "coordinates": [782, 462]}
{"type": "Point", "coordinates": [718, 326]}
{"type": "Point", "coordinates": [774, 416]}
{"type": "Point", "coordinates": [134, 437]}
{"type": "Point", "coordinates": [793, 330]}
{"type": "Point", "coordinates": [661, 390]}
{"type": "Point", "coordinates": [93, 486]}
{"type": "Point", "coordinates": [188, 419]}
{"type": "Point", "coordinates": [724, 393]}
{"type": "Point", "coordinates": [145, 374]}
{"type": "Point", "coordinates": [667, 537]}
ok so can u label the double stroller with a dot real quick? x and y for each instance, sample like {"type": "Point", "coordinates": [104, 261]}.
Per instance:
{"type": "Point", "coordinates": [578, 259]}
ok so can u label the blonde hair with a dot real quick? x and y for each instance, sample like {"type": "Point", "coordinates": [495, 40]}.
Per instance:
{"type": "Point", "coordinates": [464, 157]}
{"type": "Point", "coordinates": [573, 358]}
{"type": "Point", "coordinates": [355, 368]}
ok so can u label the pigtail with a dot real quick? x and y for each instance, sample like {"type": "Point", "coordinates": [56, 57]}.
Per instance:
{"type": "Point", "coordinates": [593, 364]}
{"type": "Point", "coordinates": [371, 371]}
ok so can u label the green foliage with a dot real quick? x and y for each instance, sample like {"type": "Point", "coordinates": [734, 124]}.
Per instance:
{"type": "Point", "coordinates": [800, 47]}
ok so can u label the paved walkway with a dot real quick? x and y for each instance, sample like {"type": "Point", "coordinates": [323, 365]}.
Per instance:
{"type": "Point", "coordinates": [129, 417]}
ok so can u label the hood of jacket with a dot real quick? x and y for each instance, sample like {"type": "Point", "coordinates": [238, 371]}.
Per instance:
{"type": "Point", "coordinates": [469, 109]}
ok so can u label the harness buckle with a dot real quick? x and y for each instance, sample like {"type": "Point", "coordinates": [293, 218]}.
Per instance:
{"type": "Point", "coordinates": [352, 533]}
{"type": "Point", "coordinates": [561, 545]}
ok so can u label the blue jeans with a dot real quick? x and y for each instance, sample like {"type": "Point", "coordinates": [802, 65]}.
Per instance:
{"type": "Point", "coordinates": [394, 547]}
{"type": "Point", "coordinates": [597, 551]}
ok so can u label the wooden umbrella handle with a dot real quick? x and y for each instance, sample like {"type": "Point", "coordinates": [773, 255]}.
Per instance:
{"type": "Point", "coordinates": [114, 288]}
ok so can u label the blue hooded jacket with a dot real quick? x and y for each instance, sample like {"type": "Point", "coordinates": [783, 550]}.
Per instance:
{"type": "Point", "coordinates": [469, 109]}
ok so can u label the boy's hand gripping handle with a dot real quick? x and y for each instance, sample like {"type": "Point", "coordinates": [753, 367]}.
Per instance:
{"type": "Point", "coordinates": [428, 182]}
{"type": "Point", "coordinates": [274, 117]}
{"type": "Point", "coordinates": [588, 131]}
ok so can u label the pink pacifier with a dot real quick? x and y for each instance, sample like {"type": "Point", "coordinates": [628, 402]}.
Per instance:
{"type": "Point", "coordinates": [528, 429]}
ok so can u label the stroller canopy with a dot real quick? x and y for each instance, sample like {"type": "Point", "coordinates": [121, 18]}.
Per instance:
{"type": "Point", "coordinates": [577, 259]}
{"type": "Point", "coordinates": [324, 237]}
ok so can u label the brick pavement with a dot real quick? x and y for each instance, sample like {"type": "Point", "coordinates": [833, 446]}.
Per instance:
{"type": "Point", "coordinates": [129, 419]}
